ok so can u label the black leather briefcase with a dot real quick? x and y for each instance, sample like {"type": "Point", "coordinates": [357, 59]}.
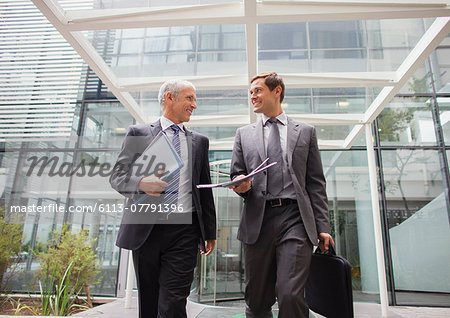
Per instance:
{"type": "Point", "coordinates": [329, 286]}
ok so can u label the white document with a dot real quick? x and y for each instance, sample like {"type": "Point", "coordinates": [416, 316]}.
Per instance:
{"type": "Point", "coordinates": [160, 159]}
{"type": "Point", "coordinates": [236, 182]}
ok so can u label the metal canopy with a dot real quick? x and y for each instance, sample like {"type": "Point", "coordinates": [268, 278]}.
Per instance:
{"type": "Point", "coordinates": [250, 13]}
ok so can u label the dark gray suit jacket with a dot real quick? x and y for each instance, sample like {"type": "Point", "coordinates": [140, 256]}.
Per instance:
{"type": "Point", "coordinates": [305, 168]}
{"type": "Point", "coordinates": [132, 236]}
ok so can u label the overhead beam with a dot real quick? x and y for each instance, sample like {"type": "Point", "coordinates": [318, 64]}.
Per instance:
{"type": "Point", "coordinates": [136, 84]}
{"type": "Point", "coordinates": [323, 10]}
{"type": "Point", "coordinates": [125, 18]}
{"type": "Point", "coordinates": [341, 79]}
{"type": "Point", "coordinates": [298, 80]}
{"type": "Point", "coordinates": [258, 12]}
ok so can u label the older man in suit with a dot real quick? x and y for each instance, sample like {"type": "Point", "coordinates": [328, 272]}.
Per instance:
{"type": "Point", "coordinates": [285, 211]}
{"type": "Point", "coordinates": [165, 222]}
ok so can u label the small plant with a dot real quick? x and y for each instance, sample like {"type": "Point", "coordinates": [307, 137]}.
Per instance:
{"type": "Point", "coordinates": [69, 261]}
{"type": "Point", "coordinates": [19, 307]}
{"type": "Point", "coordinates": [59, 299]}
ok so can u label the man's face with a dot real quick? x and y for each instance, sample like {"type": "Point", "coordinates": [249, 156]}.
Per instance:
{"type": "Point", "coordinates": [263, 99]}
{"type": "Point", "coordinates": [179, 110]}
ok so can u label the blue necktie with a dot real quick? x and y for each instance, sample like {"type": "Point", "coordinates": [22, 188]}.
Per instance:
{"type": "Point", "coordinates": [171, 191]}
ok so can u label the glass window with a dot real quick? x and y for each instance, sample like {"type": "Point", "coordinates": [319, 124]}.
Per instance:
{"type": "Point", "coordinates": [394, 33]}
{"type": "Point", "coordinates": [407, 121]}
{"type": "Point", "coordinates": [342, 100]}
{"type": "Point", "coordinates": [338, 60]}
{"type": "Point", "coordinates": [222, 275]}
{"type": "Point", "coordinates": [132, 33]}
{"type": "Point", "coordinates": [350, 208]}
{"type": "Point", "coordinates": [338, 34]}
{"type": "Point", "coordinates": [441, 69]}
{"type": "Point", "coordinates": [181, 43]}
{"type": "Point", "coordinates": [176, 51]}
{"type": "Point", "coordinates": [158, 44]}
{"type": "Point", "coordinates": [332, 132]}
{"type": "Point", "coordinates": [104, 125]}
{"type": "Point", "coordinates": [218, 102]}
{"type": "Point", "coordinates": [218, 133]}
{"type": "Point", "coordinates": [417, 214]}
{"type": "Point", "coordinates": [282, 36]}
{"type": "Point", "coordinates": [132, 46]}
{"type": "Point", "coordinates": [419, 82]}
{"type": "Point", "coordinates": [444, 116]}
{"type": "Point", "coordinates": [296, 104]}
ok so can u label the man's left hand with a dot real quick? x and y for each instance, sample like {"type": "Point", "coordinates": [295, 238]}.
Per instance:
{"type": "Point", "coordinates": [209, 247]}
{"type": "Point", "coordinates": [324, 241]}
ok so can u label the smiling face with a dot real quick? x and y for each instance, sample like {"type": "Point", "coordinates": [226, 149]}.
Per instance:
{"type": "Point", "coordinates": [264, 100]}
{"type": "Point", "coordinates": [180, 109]}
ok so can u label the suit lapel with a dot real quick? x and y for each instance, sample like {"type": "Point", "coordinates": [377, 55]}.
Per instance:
{"type": "Point", "coordinates": [293, 132]}
{"type": "Point", "coordinates": [155, 128]}
{"type": "Point", "coordinates": [191, 145]}
{"type": "Point", "coordinates": [259, 138]}
{"type": "Point", "coordinates": [192, 154]}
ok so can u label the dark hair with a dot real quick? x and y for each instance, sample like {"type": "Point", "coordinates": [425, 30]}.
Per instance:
{"type": "Point", "coordinates": [272, 80]}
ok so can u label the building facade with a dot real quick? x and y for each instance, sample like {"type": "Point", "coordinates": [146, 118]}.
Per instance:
{"type": "Point", "coordinates": [411, 142]}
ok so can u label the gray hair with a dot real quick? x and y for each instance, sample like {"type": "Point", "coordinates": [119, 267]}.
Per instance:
{"type": "Point", "coordinates": [174, 86]}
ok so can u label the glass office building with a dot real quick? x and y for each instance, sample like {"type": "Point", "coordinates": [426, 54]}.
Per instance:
{"type": "Point", "coordinates": [335, 70]}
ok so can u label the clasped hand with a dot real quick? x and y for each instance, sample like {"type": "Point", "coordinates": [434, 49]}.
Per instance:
{"type": "Point", "coordinates": [242, 187]}
{"type": "Point", "coordinates": [152, 185]}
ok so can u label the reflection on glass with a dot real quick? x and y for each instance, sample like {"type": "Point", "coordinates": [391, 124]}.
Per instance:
{"type": "Point", "coordinates": [105, 125]}
{"type": "Point", "coordinates": [330, 132]}
{"type": "Point", "coordinates": [342, 100]}
{"type": "Point", "coordinates": [217, 133]}
{"type": "Point", "coordinates": [407, 121]}
{"type": "Point", "coordinates": [337, 46]}
{"type": "Point", "coordinates": [188, 50]}
{"type": "Point", "coordinates": [417, 214]}
{"type": "Point", "coordinates": [37, 184]}
{"type": "Point", "coordinates": [221, 276]}
{"type": "Point", "coordinates": [441, 69]}
{"type": "Point", "coordinates": [419, 83]}
{"type": "Point", "coordinates": [444, 116]}
{"type": "Point", "coordinates": [350, 208]}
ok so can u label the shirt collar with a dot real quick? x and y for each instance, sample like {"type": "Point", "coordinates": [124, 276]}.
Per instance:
{"type": "Point", "coordinates": [166, 123]}
{"type": "Point", "coordinates": [281, 117]}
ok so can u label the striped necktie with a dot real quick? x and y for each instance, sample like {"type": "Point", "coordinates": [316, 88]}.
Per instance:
{"type": "Point", "coordinates": [171, 191]}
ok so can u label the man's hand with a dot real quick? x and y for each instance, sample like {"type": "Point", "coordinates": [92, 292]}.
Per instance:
{"type": "Point", "coordinates": [209, 247]}
{"type": "Point", "coordinates": [243, 187]}
{"type": "Point", "coordinates": [152, 185]}
{"type": "Point", "coordinates": [324, 241]}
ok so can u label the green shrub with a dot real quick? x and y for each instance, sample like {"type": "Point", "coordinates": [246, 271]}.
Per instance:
{"type": "Point", "coordinates": [67, 248]}
{"type": "Point", "coordinates": [10, 246]}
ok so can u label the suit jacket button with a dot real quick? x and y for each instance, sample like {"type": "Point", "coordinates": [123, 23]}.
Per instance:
{"type": "Point", "coordinates": [265, 172]}
{"type": "Point", "coordinates": [263, 192]}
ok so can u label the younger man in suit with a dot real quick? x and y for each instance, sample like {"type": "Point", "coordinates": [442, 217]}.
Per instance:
{"type": "Point", "coordinates": [285, 210]}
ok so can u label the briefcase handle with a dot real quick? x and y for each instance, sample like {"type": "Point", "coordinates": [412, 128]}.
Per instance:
{"type": "Point", "coordinates": [330, 251]}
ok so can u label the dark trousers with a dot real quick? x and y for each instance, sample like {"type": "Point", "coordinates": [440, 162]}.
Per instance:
{"type": "Point", "coordinates": [277, 265]}
{"type": "Point", "coordinates": [164, 268]}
